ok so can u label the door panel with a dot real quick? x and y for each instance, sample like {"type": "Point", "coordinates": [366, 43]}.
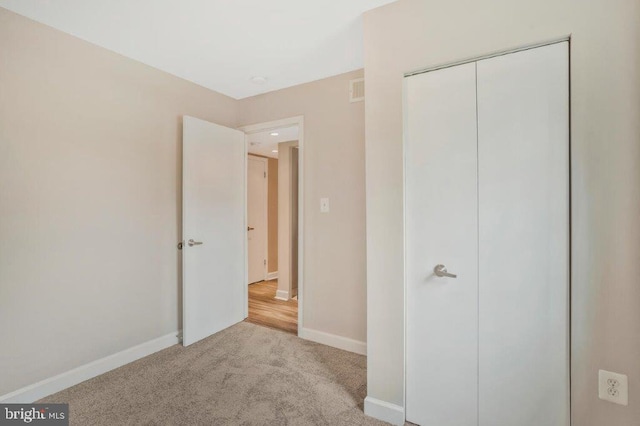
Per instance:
{"type": "Point", "coordinates": [213, 212]}
{"type": "Point", "coordinates": [523, 139]}
{"type": "Point", "coordinates": [441, 228]}
{"type": "Point", "coordinates": [257, 218]}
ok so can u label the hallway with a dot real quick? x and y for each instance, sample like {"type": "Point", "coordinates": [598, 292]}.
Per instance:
{"type": "Point", "coordinates": [265, 310]}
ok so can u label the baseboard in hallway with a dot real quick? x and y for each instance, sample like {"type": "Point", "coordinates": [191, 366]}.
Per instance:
{"type": "Point", "coordinates": [272, 276]}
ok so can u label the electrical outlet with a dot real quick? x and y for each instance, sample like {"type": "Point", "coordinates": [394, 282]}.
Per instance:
{"type": "Point", "coordinates": [613, 387]}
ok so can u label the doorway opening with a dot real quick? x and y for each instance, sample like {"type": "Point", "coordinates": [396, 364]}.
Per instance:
{"type": "Point", "coordinates": [274, 234]}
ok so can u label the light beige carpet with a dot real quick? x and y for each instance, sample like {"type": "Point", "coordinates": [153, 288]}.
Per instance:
{"type": "Point", "coordinates": [244, 375]}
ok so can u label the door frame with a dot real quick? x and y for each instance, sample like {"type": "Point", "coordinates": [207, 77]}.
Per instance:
{"type": "Point", "coordinates": [272, 125]}
{"type": "Point", "coordinates": [566, 38]}
{"type": "Point", "coordinates": [264, 211]}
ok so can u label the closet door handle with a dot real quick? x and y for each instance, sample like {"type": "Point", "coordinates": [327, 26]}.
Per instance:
{"type": "Point", "coordinates": [192, 243]}
{"type": "Point", "coordinates": [441, 271]}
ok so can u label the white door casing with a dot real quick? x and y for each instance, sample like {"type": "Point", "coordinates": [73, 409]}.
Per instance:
{"type": "Point", "coordinates": [509, 319]}
{"type": "Point", "coordinates": [213, 213]}
{"type": "Point", "coordinates": [257, 170]}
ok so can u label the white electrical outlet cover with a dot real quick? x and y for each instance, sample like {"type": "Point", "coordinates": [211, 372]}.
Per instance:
{"type": "Point", "coordinates": [613, 387]}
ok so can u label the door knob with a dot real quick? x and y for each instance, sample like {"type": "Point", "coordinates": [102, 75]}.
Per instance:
{"type": "Point", "coordinates": [192, 243]}
{"type": "Point", "coordinates": [441, 271]}
{"type": "Point", "coordinates": [249, 228]}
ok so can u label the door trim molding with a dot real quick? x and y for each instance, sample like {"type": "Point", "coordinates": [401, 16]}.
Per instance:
{"type": "Point", "coordinates": [271, 125]}
{"type": "Point", "coordinates": [51, 385]}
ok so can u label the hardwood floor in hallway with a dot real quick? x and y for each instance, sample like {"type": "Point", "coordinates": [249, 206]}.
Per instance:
{"type": "Point", "coordinates": [265, 310]}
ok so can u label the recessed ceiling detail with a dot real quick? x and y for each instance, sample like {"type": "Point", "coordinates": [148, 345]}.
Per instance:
{"type": "Point", "coordinates": [219, 44]}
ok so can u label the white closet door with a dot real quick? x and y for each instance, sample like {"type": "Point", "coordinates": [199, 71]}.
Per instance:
{"type": "Point", "coordinates": [523, 182]}
{"type": "Point", "coordinates": [441, 228]}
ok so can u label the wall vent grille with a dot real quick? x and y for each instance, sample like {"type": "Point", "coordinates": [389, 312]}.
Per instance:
{"type": "Point", "coordinates": [356, 90]}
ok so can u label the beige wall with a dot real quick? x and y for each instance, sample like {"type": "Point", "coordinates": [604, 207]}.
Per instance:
{"type": "Point", "coordinates": [272, 215]}
{"type": "Point", "coordinates": [605, 110]}
{"type": "Point", "coordinates": [334, 243]}
{"type": "Point", "coordinates": [90, 147]}
{"type": "Point", "coordinates": [90, 192]}
{"type": "Point", "coordinates": [285, 255]}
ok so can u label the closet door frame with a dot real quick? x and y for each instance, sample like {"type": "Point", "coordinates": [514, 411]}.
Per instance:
{"type": "Point", "coordinates": [489, 55]}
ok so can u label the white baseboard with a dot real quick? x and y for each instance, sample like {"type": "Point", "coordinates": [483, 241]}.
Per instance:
{"type": "Point", "coordinates": [384, 411]}
{"type": "Point", "coordinates": [334, 340]}
{"type": "Point", "coordinates": [282, 295]}
{"type": "Point", "coordinates": [46, 387]}
{"type": "Point", "coordinates": [272, 275]}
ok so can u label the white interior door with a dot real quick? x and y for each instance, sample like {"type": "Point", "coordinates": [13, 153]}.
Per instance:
{"type": "Point", "coordinates": [441, 228]}
{"type": "Point", "coordinates": [213, 228]}
{"type": "Point", "coordinates": [257, 218]}
{"type": "Point", "coordinates": [523, 133]}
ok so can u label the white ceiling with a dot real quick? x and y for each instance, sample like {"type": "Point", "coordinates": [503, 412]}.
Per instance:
{"type": "Point", "coordinates": [219, 44]}
{"type": "Point", "coordinates": [263, 143]}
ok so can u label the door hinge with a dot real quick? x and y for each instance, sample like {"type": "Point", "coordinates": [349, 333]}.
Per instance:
{"type": "Point", "coordinates": [265, 262]}
{"type": "Point", "coordinates": [265, 175]}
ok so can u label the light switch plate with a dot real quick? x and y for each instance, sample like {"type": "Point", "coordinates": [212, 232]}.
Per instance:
{"type": "Point", "coordinates": [324, 205]}
{"type": "Point", "coordinates": [613, 387]}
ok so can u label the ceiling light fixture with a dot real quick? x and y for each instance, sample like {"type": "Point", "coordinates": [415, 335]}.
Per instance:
{"type": "Point", "coordinates": [275, 150]}
{"type": "Point", "coordinates": [274, 134]}
{"type": "Point", "coordinates": [258, 80]}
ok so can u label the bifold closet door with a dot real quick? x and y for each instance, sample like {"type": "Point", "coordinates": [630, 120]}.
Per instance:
{"type": "Point", "coordinates": [523, 207]}
{"type": "Point", "coordinates": [441, 228]}
{"type": "Point", "coordinates": [487, 196]}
